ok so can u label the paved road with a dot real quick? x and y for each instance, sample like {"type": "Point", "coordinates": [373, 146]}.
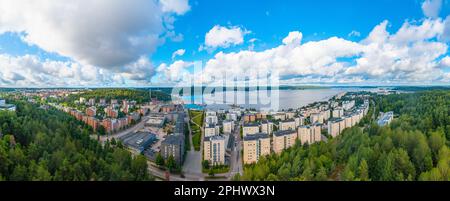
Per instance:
{"type": "Point", "coordinates": [236, 155]}
{"type": "Point", "coordinates": [193, 161]}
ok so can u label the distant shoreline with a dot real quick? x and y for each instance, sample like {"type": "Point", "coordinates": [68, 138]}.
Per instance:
{"type": "Point", "coordinates": [242, 88]}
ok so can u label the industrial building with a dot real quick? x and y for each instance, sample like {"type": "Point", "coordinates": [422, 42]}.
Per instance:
{"type": "Point", "coordinates": [386, 118]}
{"type": "Point", "coordinates": [139, 141]}
{"type": "Point", "coordinates": [7, 107]}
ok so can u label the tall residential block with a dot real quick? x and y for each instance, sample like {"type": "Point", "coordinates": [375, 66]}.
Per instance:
{"type": "Point", "coordinates": [255, 146]}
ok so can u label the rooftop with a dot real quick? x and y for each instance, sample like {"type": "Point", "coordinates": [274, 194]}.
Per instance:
{"type": "Point", "coordinates": [384, 120]}
{"type": "Point", "coordinates": [138, 140]}
{"type": "Point", "coordinates": [210, 126]}
{"type": "Point", "coordinates": [251, 124]}
{"type": "Point", "coordinates": [179, 126]}
{"type": "Point", "coordinates": [215, 137]}
{"type": "Point", "coordinates": [284, 132]}
{"type": "Point", "coordinates": [174, 139]}
{"type": "Point", "coordinates": [335, 119]}
{"type": "Point", "coordinates": [256, 136]}
{"type": "Point", "coordinates": [7, 106]}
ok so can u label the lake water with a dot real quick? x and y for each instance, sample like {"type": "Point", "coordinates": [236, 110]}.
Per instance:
{"type": "Point", "coordinates": [266, 100]}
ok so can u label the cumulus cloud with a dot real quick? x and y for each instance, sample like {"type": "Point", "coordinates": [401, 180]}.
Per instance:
{"type": "Point", "coordinates": [173, 73]}
{"type": "Point", "coordinates": [179, 52]}
{"type": "Point", "coordinates": [224, 37]}
{"type": "Point", "coordinates": [114, 36]}
{"type": "Point", "coordinates": [446, 34]}
{"type": "Point", "coordinates": [431, 8]}
{"type": "Point", "coordinates": [445, 62]}
{"type": "Point", "coordinates": [30, 70]}
{"type": "Point", "coordinates": [106, 33]}
{"type": "Point", "coordinates": [413, 54]}
{"type": "Point", "coordinates": [294, 38]}
{"type": "Point", "coordinates": [410, 54]}
{"type": "Point", "coordinates": [179, 7]}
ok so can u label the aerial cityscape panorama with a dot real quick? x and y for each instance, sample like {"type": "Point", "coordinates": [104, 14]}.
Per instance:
{"type": "Point", "coordinates": [224, 99]}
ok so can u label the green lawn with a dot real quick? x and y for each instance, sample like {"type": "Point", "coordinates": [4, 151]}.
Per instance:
{"type": "Point", "coordinates": [187, 143]}
{"type": "Point", "coordinates": [197, 117]}
{"type": "Point", "coordinates": [196, 140]}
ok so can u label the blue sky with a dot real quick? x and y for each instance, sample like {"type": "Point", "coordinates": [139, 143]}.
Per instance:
{"type": "Point", "coordinates": [270, 21]}
{"type": "Point", "coordinates": [265, 22]}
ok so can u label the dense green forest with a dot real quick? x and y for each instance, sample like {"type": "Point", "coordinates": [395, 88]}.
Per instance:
{"type": "Point", "coordinates": [413, 147]}
{"type": "Point", "coordinates": [140, 96]}
{"type": "Point", "coordinates": [38, 144]}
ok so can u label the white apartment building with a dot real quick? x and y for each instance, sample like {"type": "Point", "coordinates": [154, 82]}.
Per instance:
{"type": "Point", "coordinates": [211, 120]}
{"type": "Point", "coordinates": [228, 126]}
{"type": "Point", "coordinates": [211, 130]}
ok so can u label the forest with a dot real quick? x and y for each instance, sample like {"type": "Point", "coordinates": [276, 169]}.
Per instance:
{"type": "Point", "coordinates": [415, 146]}
{"type": "Point", "coordinates": [45, 145]}
{"type": "Point", "coordinates": [139, 95]}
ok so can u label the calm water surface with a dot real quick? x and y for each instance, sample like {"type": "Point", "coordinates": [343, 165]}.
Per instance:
{"type": "Point", "coordinates": [275, 99]}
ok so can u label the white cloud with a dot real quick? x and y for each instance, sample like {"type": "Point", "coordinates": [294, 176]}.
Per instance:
{"type": "Point", "coordinates": [179, 52]}
{"type": "Point", "coordinates": [446, 34]}
{"type": "Point", "coordinates": [179, 7]}
{"type": "Point", "coordinates": [29, 70]}
{"type": "Point", "coordinates": [354, 34]}
{"type": "Point", "coordinates": [105, 33]}
{"type": "Point", "coordinates": [445, 62]}
{"type": "Point", "coordinates": [293, 38]}
{"type": "Point", "coordinates": [378, 34]}
{"type": "Point", "coordinates": [418, 32]}
{"type": "Point", "coordinates": [174, 72]}
{"type": "Point", "coordinates": [252, 44]}
{"type": "Point", "coordinates": [291, 58]}
{"type": "Point", "coordinates": [431, 8]}
{"type": "Point", "coordinates": [224, 37]}
{"type": "Point", "coordinates": [410, 55]}
{"type": "Point", "coordinates": [113, 36]}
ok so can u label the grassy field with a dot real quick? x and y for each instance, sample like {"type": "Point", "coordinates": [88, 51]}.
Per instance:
{"type": "Point", "coordinates": [187, 143]}
{"type": "Point", "coordinates": [197, 118]}
{"type": "Point", "coordinates": [196, 140]}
